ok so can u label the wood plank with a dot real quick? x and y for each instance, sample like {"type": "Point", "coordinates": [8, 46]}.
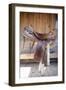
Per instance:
{"type": "Point", "coordinates": [27, 56]}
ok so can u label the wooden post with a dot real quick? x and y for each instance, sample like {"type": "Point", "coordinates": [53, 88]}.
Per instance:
{"type": "Point", "coordinates": [48, 54]}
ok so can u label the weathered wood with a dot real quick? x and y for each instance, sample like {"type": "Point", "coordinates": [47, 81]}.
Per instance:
{"type": "Point", "coordinates": [27, 56]}
{"type": "Point", "coordinates": [40, 22]}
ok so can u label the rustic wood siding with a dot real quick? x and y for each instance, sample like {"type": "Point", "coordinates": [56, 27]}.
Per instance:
{"type": "Point", "coordinates": [40, 22]}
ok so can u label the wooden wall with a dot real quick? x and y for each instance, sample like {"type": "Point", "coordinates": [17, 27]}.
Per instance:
{"type": "Point", "coordinates": [40, 22]}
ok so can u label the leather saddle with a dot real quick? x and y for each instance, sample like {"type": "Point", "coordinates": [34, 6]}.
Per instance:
{"type": "Point", "coordinates": [41, 36]}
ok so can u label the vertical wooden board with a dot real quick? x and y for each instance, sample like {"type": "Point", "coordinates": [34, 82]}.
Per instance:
{"type": "Point", "coordinates": [31, 19]}
{"type": "Point", "coordinates": [32, 15]}
{"type": "Point", "coordinates": [47, 23]}
{"type": "Point", "coordinates": [52, 21]}
{"type": "Point", "coordinates": [38, 22]}
{"type": "Point", "coordinates": [35, 22]}
{"type": "Point", "coordinates": [23, 20]}
{"type": "Point", "coordinates": [26, 22]}
{"type": "Point", "coordinates": [41, 22]}
{"type": "Point", "coordinates": [44, 22]}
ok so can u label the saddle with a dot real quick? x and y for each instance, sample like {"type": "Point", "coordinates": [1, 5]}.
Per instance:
{"type": "Point", "coordinates": [45, 36]}
{"type": "Point", "coordinates": [41, 36]}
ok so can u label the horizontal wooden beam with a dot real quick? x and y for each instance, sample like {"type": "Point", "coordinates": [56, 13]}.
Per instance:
{"type": "Point", "coordinates": [27, 56]}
